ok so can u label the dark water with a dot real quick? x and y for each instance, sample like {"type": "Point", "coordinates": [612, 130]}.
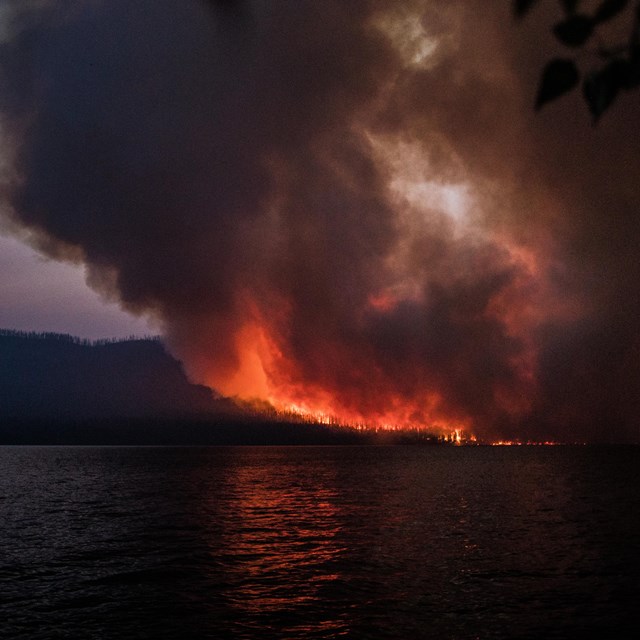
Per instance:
{"type": "Point", "coordinates": [320, 542]}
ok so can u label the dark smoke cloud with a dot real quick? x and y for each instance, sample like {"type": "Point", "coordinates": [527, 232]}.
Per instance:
{"type": "Point", "coordinates": [227, 166]}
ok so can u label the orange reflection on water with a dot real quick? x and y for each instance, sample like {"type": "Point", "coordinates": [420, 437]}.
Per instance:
{"type": "Point", "coordinates": [282, 545]}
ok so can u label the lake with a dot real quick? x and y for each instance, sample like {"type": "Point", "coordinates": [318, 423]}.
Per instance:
{"type": "Point", "coordinates": [319, 542]}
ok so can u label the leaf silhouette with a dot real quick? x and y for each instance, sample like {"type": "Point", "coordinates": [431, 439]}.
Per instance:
{"type": "Point", "coordinates": [559, 76]}
{"type": "Point", "coordinates": [633, 74]}
{"type": "Point", "coordinates": [608, 9]}
{"type": "Point", "coordinates": [634, 38]}
{"type": "Point", "coordinates": [601, 87]}
{"type": "Point", "coordinates": [521, 7]}
{"type": "Point", "coordinates": [574, 31]}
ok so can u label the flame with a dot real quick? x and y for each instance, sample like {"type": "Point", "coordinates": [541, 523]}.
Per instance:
{"type": "Point", "coordinates": [250, 379]}
{"type": "Point", "coordinates": [346, 384]}
{"type": "Point", "coordinates": [267, 376]}
{"type": "Point", "coordinates": [264, 380]}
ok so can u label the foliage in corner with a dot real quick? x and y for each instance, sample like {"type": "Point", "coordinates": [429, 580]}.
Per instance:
{"type": "Point", "coordinates": [618, 66]}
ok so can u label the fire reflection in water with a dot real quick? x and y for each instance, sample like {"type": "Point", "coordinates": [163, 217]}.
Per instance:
{"type": "Point", "coordinates": [282, 549]}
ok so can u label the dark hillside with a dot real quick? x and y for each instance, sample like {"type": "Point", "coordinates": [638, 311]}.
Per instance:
{"type": "Point", "coordinates": [60, 390]}
{"type": "Point", "coordinates": [52, 376]}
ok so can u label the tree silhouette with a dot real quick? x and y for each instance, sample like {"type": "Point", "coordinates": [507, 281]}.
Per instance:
{"type": "Point", "coordinates": [618, 67]}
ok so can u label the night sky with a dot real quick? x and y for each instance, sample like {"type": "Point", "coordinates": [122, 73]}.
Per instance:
{"type": "Point", "coordinates": [343, 208]}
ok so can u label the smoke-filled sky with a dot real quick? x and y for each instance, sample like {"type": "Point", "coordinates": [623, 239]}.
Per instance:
{"type": "Point", "coordinates": [39, 294]}
{"type": "Point", "coordinates": [343, 208]}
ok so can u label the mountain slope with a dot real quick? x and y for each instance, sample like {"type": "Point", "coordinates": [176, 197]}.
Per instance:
{"type": "Point", "coordinates": [53, 376]}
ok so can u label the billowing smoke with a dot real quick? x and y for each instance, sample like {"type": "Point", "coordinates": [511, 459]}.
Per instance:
{"type": "Point", "coordinates": [344, 208]}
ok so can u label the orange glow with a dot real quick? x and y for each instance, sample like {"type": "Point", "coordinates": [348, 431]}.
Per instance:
{"type": "Point", "coordinates": [265, 380]}
{"type": "Point", "coordinates": [530, 443]}
{"type": "Point", "coordinates": [249, 380]}
{"type": "Point", "coordinates": [268, 382]}
{"type": "Point", "coordinates": [331, 379]}
{"type": "Point", "coordinates": [383, 301]}
{"type": "Point", "coordinates": [273, 515]}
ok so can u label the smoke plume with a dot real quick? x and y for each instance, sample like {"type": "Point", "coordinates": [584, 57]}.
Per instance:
{"type": "Point", "coordinates": [342, 208]}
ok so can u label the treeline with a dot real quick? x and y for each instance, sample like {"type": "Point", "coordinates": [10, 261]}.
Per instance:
{"type": "Point", "coordinates": [69, 339]}
{"type": "Point", "coordinates": [370, 433]}
{"type": "Point", "coordinates": [57, 389]}
{"type": "Point", "coordinates": [50, 376]}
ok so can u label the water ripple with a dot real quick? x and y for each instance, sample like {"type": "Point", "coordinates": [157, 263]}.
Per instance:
{"type": "Point", "coordinates": [319, 542]}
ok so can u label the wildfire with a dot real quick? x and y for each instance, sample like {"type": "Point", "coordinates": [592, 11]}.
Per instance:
{"type": "Point", "coordinates": [368, 375]}
{"type": "Point", "coordinates": [267, 382]}
{"type": "Point", "coordinates": [264, 383]}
